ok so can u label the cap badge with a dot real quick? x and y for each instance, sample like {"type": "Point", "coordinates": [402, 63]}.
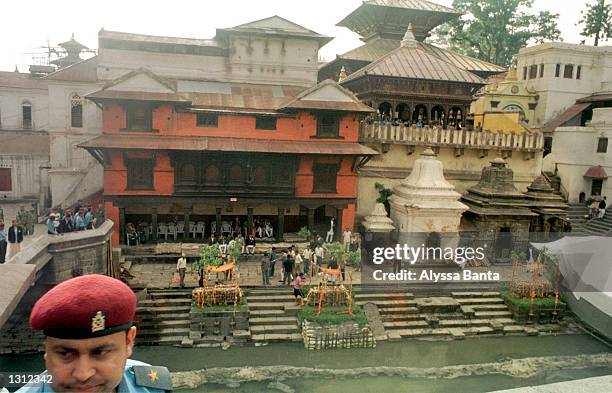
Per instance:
{"type": "Point", "coordinates": [98, 322]}
{"type": "Point", "coordinates": [153, 375]}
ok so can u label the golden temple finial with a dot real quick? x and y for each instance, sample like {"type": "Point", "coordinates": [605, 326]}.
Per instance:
{"type": "Point", "coordinates": [343, 75]}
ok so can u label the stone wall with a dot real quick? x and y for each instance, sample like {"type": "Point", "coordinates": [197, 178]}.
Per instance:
{"type": "Point", "coordinates": [57, 258]}
{"type": "Point", "coordinates": [344, 335]}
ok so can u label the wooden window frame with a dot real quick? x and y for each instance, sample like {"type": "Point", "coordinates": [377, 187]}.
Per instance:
{"type": "Point", "coordinates": [207, 120]}
{"type": "Point", "coordinates": [541, 70]}
{"type": "Point", "coordinates": [142, 164]}
{"type": "Point", "coordinates": [129, 117]}
{"type": "Point", "coordinates": [533, 71]}
{"type": "Point", "coordinates": [602, 145]}
{"type": "Point", "coordinates": [525, 73]}
{"type": "Point", "coordinates": [325, 134]}
{"type": "Point", "coordinates": [569, 67]}
{"type": "Point", "coordinates": [76, 111]}
{"type": "Point", "coordinates": [30, 123]}
{"type": "Point", "coordinates": [321, 171]}
{"type": "Point", "coordinates": [265, 123]}
{"type": "Point", "coordinates": [557, 70]}
{"type": "Point", "coordinates": [578, 72]}
{"type": "Point", "coordinates": [6, 179]}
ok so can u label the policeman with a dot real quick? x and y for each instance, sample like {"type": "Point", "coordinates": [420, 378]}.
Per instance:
{"type": "Point", "coordinates": [88, 324]}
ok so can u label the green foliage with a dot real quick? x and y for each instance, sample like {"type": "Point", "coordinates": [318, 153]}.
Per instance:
{"type": "Point", "coordinates": [383, 196]}
{"type": "Point", "coordinates": [519, 256]}
{"type": "Point", "coordinates": [304, 233]}
{"type": "Point", "coordinates": [597, 21]}
{"type": "Point", "coordinates": [524, 304]}
{"type": "Point", "coordinates": [333, 315]}
{"type": "Point", "coordinates": [495, 30]}
{"type": "Point", "coordinates": [236, 249]}
{"type": "Point", "coordinates": [335, 253]}
{"type": "Point", "coordinates": [354, 258]}
{"type": "Point", "coordinates": [209, 255]}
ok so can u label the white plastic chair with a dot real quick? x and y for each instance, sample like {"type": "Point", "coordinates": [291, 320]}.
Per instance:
{"type": "Point", "coordinates": [199, 228]}
{"type": "Point", "coordinates": [162, 230]}
{"type": "Point", "coordinates": [180, 228]}
{"type": "Point", "coordinates": [172, 231]}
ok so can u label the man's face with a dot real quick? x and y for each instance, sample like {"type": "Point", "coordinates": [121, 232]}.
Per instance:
{"type": "Point", "coordinates": [89, 365]}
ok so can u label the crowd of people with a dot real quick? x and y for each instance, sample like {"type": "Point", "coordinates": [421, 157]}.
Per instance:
{"type": "Point", "coordinates": [10, 240]}
{"type": "Point", "coordinates": [71, 220]}
{"type": "Point", "coordinates": [597, 207]}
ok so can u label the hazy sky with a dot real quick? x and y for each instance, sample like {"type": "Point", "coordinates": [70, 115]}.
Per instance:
{"type": "Point", "coordinates": [28, 25]}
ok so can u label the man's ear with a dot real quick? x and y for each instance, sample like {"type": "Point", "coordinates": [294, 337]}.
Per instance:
{"type": "Point", "coordinates": [130, 339]}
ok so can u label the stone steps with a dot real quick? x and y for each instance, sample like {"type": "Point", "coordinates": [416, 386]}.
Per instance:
{"type": "Point", "coordinates": [269, 305]}
{"type": "Point", "coordinates": [489, 307]}
{"type": "Point", "coordinates": [174, 323]}
{"type": "Point", "coordinates": [401, 317]}
{"type": "Point", "coordinates": [165, 302]}
{"type": "Point", "coordinates": [383, 296]}
{"type": "Point", "coordinates": [406, 325]}
{"type": "Point", "coordinates": [276, 337]}
{"type": "Point", "coordinates": [397, 310]}
{"type": "Point", "coordinates": [274, 329]}
{"type": "Point", "coordinates": [270, 299]}
{"type": "Point", "coordinates": [480, 300]}
{"type": "Point", "coordinates": [165, 332]}
{"type": "Point", "coordinates": [266, 313]}
{"type": "Point", "coordinates": [400, 303]}
{"type": "Point", "coordinates": [164, 309]}
{"type": "Point", "coordinates": [163, 317]}
{"type": "Point", "coordinates": [272, 321]}
{"type": "Point", "coordinates": [448, 323]}
{"type": "Point", "coordinates": [492, 314]}
{"type": "Point", "coordinates": [463, 295]}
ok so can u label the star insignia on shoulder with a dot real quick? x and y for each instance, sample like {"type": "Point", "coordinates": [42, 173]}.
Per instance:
{"type": "Point", "coordinates": [153, 375]}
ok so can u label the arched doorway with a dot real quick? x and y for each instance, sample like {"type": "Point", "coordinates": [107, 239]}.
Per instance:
{"type": "Point", "coordinates": [403, 112]}
{"type": "Point", "coordinates": [384, 109]}
{"type": "Point", "coordinates": [582, 197]}
{"type": "Point", "coordinates": [455, 117]}
{"type": "Point", "coordinates": [504, 243]}
{"type": "Point", "coordinates": [437, 115]}
{"type": "Point", "coordinates": [419, 116]}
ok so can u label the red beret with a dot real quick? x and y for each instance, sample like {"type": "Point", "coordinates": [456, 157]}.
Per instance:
{"type": "Point", "coordinates": [85, 307]}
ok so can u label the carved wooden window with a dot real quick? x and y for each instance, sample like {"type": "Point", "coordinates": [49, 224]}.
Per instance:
{"type": "Point", "coordinates": [6, 182]}
{"type": "Point", "coordinates": [236, 174]}
{"type": "Point", "coordinates": [76, 111]}
{"type": "Point", "coordinates": [602, 145]}
{"type": "Point", "coordinates": [26, 115]}
{"type": "Point", "coordinates": [139, 117]}
{"type": "Point", "coordinates": [207, 120]}
{"type": "Point", "coordinates": [212, 175]}
{"type": "Point", "coordinates": [260, 176]}
{"type": "Point", "coordinates": [325, 177]}
{"type": "Point", "coordinates": [188, 173]}
{"type": "Point", "coordinates": [328, 126]}
{"type": "Point", "coordinates": [265, 123]}
{"type": "Point", "coordinates": [140, 173]}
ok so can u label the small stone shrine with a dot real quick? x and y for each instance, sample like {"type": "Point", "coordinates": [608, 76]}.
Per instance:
{"type": "Point", "coordinates": [550, 207]}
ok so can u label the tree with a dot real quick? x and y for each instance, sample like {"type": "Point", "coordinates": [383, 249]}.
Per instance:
{"type": "Point", "coordinates": [495, 30]}
{"type": "Point", "coordinates": [597, 21]}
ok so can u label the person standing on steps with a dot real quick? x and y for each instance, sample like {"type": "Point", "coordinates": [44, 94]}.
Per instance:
{"type": "Point", "coordinates": [181, 268]}
{"type": "Point", "coordinates": [297, 290]}
{"type": "Point", "coordinates": [3, 243]}
{"type": "Point", "coordinates": [265, 270]}
{"type": "Point", "coordinates": [15, 237]}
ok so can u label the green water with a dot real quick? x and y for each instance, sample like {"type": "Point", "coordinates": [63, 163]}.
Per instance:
{"type": "Point", "coordinates": [423, 354]}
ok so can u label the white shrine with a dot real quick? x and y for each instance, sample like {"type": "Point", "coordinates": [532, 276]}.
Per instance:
{"type": "Point", "coordinates": [425, 208]}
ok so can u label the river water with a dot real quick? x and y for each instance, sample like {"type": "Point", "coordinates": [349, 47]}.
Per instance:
{"type": "Point", "coordinates": [408, 353]}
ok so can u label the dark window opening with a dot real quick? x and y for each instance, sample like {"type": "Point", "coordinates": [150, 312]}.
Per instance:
{"type": "Point", "coordinates": [76, 112]}
{"type": "Point", "coordinates": [236, 174]}
{"type": "Point", "coordinates": [328, 126]}
{"type": "Point", "coordinates": [188, 173]}
{"type": "Point", "coordinates": [524, 73]}
{"type": "Point", "coordinates": [265, 123]}
{"type": "Point", "coordinates": [140, 173]}
{"type": "Point", "coordinates": [557, 70]}
{"type": "Point", "coordinates": [6, 183]}
{"type": "Point", "coordinates": [207, 120]}
{"type": "Point", "coordinates": [212, 175]}
{"type": "Point", "coordinates": [260, 176]}
{"type": "Point", "coordinates": [494, 104]}
{"type": "Point", "coordinates": [26, 115]}
{"type": "Point", "coordinates": [568, 71]}
{"type": "Point", "coordinates": [139, 117]}
{"type": "Point", "coordinates": [541, 70]}
{"type": "Point", "coordinates": [533, 71]}
{"type": "Point", "coordinates": [325, 178]}
{"type": "Point", "coordinates": [602, 145]}
{"type": "Point", "coordinates": [578, 72]}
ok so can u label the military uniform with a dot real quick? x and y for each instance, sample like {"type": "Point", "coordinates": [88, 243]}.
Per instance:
{"type": "Point", "coordinates": [88, 307]}
{"type": "Point", "coordinates": [138, 377]}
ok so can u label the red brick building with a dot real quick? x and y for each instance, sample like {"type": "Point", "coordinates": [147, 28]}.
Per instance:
{"type": "Point", "coordinates": [177, 150]}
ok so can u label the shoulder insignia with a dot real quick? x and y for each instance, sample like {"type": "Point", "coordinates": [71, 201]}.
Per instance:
{"type": "Point", "coordinates": [157, 377]}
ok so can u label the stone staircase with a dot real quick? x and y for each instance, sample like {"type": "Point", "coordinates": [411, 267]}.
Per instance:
{"type": "Point", "coordinates": [273, 315]}
{"type": "Point", "coordinates": [599, 226]}
{"type": "Point", "coordinates": [456, 316]}
{"type": "Point", "coordinates": [576, 214]}
{"type": "Point", "coordinates": [163, 318]}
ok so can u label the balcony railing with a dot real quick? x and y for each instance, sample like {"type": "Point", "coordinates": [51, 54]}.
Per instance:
{"type": "Point", "coordinates": [460, 139]}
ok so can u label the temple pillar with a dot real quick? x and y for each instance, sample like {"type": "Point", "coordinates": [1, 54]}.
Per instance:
{"type": "Point", "coordinates": [154, 223]}
{"type": "Point", "coordinates": [311, 215]}
{"type": "Point", "coordinates": [338, 228]}
{"type": "Point", "coordinates": [122, 224]}
{"type": "Point", "coordinates": [218, 223]}
{"type": "Point", "coordinates": [186, 219]}
{"type": "Point", "coordinates": [281, 224]}
{"type": "Point", "coordinates": [249, 221]}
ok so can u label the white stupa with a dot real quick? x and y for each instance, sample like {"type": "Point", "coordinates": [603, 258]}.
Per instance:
{"type": "Point", "coordinates": [377, 220]}
{"type": "Point", "coordinates": [425, 202]}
